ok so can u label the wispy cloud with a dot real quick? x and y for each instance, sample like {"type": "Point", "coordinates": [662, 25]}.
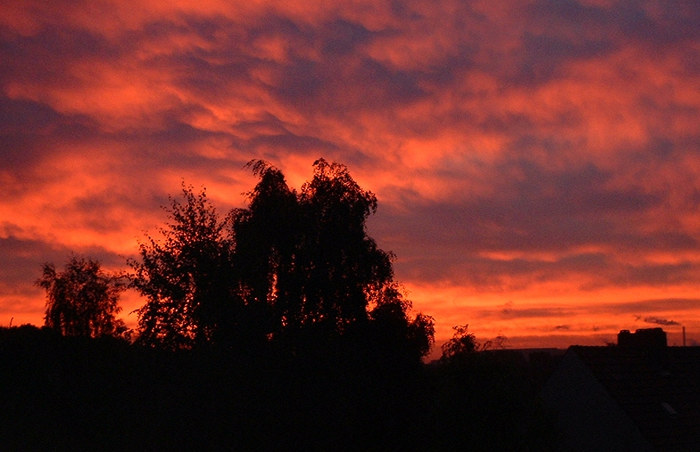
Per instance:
{"type": "Point", "coordinates": [513, 150]}
{"type": "Point", "coordinates": [658, 321]}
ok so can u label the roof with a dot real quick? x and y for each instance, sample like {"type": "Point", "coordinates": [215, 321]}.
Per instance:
{"type": "Point", "coordinates": [658, 388]}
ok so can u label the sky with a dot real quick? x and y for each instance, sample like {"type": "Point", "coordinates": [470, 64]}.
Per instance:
{"type": "Point", "coordinates": [536, 163]}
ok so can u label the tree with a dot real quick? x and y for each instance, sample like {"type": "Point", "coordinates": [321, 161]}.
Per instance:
{"type": "Point", "coordinates": [397, 334]}
{"type": "Point", "coordinates": [288, 266]}
{"type": "Point", "coordinates": [345, 270]}
{"type": "Point", "coordinates": [187, 277]}
{"type": "Point", "coordinates": [82, 300]}
{"type": "Point", "coordinates": [307, 256]}
{"type": "Point", "coordinates": [463, 343]}
{"type": "Point", "coordinates": [268, 236]}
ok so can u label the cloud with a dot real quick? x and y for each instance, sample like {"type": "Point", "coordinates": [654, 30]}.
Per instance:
{"type": "Point", "coordinates": [656, 305]}
{"type": "Point", "coordinates": [658, 321]}
{"type": "Point", "coordinates": [682, 307]}
{"type": "Point", "coordinates": [550, 148]}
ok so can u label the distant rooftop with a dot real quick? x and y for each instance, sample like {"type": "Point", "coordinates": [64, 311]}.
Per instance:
{"type": "Point", "coordinates": [639, 393]}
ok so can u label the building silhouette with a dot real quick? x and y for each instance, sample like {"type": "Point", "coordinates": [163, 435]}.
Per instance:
{"type": "Point", "coordinates": [639, 395]}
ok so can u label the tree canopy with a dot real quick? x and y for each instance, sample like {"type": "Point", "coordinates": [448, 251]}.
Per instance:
{"type": "Point", "coordinates": [186, 277]}
{"type": "Point", "coordinates": [82, 300]}
{"type": "Point", "coordinates": [289, 265]}
{"type": "Point", "coordinates": [308, 254]}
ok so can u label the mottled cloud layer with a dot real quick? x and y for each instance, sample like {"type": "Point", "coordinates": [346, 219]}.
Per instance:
{"type": "Point", "coordinates": [542, 155]}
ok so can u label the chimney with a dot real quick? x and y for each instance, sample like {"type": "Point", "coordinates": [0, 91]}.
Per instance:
{"type": "Point", "coordinates": [683, 336]}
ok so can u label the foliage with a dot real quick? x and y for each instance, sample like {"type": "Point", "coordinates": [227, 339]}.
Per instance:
{"type": "Point", "coordinates": [292, 268]}
{"type": "Point", "coordinates": [421, 333]}
{"type": "Point", "coordinates": [462, 343]}
{"type": "Point", "coordinates": [186, 277]}
{"type": "Point", "coordinates": [82, 300]}
{"type": "Point", "coordinates": [311, 258]}
{"type": "Point", "coordinates": [344, 269]}
{"type": "Point", "coordinates": [307, 256]}
{"type": "Point", "coordinates": [267, 243]}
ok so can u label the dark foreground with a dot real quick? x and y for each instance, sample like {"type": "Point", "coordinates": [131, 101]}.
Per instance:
{"type": "Point", "coordinates": [86, 394]}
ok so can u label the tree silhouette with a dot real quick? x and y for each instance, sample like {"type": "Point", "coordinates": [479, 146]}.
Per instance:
{"type": "Point", "coordinates": [396, 333]}
{"type": "Point", "coordinates": [463, 343]}
{"type": "Point", "coordinates": [289, 266]}
{"type": "Point", "coordinates": [267, 244]}
{"type": "Point", "coordinates": [308, 258]}
{"type": "Point", "coordinates": [187, 277]}
{"type": "Point", "coordinates": [81, 299]}
{"type": "Point", "coordinates": [345, 270]}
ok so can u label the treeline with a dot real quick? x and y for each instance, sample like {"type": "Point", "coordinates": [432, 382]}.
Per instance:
{"type": "Point", "coordinates": [278, 326]}
{"type": "Point", "coordinates": [293, 269]}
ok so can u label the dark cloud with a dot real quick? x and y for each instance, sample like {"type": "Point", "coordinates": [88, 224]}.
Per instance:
{"type": "Point", "coordinates": [554, 142]}
{"type": "Point", "coordinates": [621, 20]}
{"type": "Point", "coordinates": [341, 37]}
{"type": "Point", "coordinates": [29, 130]}
{"type": "Point", "coordinates": [23, 260]}
{"type": "Point", "coordinates": [567, 13]}
{"type": "Point", "coordinates": [460, 264]}
{"type": "Point", "coordinates": [659, 321]}
{"type": "Point", "coordinates": [654, 305]}
{"type": "Point", "coordinates": [41, 58]}
{"type": "Point", "coordinates": [542, 209]}
{"type": "Point", "coordinates": [656, 274]}
{"type": "Point", "coordinates": [344, 88]}
{"type": "Point", "coordinates": [512, 311]}
{"type": "Point", "coordinates": [546, 55]}
{"type": "Point", "coordinates": [285, 142]}
{"type": "Point", "coordinates": [24, 116]}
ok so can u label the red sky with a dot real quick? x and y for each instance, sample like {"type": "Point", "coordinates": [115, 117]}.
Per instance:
{"type": "Point", "coordinates": [536, 162]}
